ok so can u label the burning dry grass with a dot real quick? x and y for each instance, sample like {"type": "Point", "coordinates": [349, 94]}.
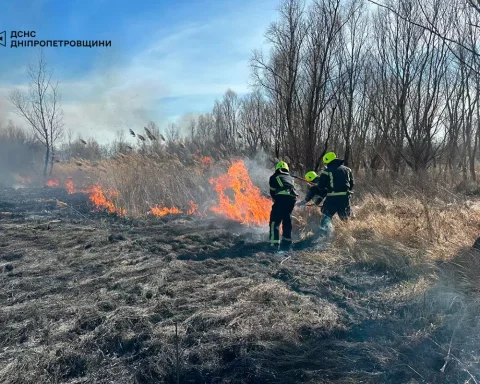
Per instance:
{"type": "Point", "coordinates": [138, 185]}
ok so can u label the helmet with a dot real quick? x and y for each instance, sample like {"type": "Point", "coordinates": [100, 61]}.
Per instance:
{"type": "Point", "coordinates": [282, 165]}
{"type": "Point", "coordinates": [310, 176]}
{"type": "Point", "coordinates": [329, 157]}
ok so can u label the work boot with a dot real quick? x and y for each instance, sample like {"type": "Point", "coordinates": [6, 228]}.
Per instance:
{"type": "Point", "coordinates": [326, 228]}
{"type": "Point", "coordinates": [273, 248]}
{"type": "Point", "coordinates": [286, 246]}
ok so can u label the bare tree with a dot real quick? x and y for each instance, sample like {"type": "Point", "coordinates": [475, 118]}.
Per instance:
{"type": "Point", "coordinates": [353, 54]}
{"type": "Point", "coordinates": [40, 107]}
{"type": "Point", "coordinates": [279, 74]}
{"type": "Point", "coordinates": [454, 14]}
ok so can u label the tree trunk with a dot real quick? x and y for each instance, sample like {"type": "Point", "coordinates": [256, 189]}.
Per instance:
{"type": "Point", "coordinates": [47, 157]}
{"type": "Point", "coordinates": [52, 159]}
{"type": "Point", "coordinates": [473, 155]}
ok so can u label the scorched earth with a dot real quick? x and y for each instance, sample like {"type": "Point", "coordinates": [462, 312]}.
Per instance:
{"type": "Point", "coordinates": [87, 297]}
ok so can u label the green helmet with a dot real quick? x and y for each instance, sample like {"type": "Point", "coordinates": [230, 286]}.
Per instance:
{"type": "Point", "coordinates": [310, 176]}
{"type": "Point", "coordinates": [329, 157]}
{"type": "Point", "coordinates": [282, 165]}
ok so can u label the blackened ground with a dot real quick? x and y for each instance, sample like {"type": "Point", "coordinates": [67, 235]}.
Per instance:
{"type": "Point", "coordinates": [87, 298]}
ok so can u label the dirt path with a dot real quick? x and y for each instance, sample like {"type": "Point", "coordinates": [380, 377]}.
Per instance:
{"type": "Point", "coordinates": [89, 299]}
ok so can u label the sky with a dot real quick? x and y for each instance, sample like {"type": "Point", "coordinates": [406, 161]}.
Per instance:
{"type": "Point", "coordinates": [167, 58]}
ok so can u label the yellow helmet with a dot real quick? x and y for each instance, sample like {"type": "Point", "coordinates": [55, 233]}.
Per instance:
{"type": "Point", "coordinates": [310, 176]}
{"type": "Point", "coordinates": [329, 157]}
{"type": "Point", "coordinates": [282, 165]}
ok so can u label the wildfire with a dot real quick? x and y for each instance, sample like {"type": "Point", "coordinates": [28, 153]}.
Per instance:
{"type": "Point", "coordinates": [160, 211]}
{"type": "Point", "coordinates": [98, 198]}
{"type": "Point", "coordinates": [247, 205]}
{"type": "Point", "coordinates": [193, 208]}
{"type": "Point", "coordinates": [22, 180]}
{"type": "Point", "coordinates": [238, 198]}
{"type": "Point", "coordinates": [52, 183]}
{"type": "Point", "coordinates": [70, 186]}
{"type": "Point", "coordinates": [206, 161]}
{"type": "Point", "coordinates": [163, 211]}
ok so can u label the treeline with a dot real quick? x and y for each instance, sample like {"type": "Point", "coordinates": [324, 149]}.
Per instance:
{"type": "Point", "coordinates": [369, 83]}
{"type": "Point", "coordinates": [372, 83]}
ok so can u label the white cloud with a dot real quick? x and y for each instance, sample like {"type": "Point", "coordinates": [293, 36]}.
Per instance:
{"type": "Point", "coordinates": [196, 60]}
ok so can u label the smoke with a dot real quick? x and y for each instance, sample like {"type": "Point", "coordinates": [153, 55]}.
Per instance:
{"type": "Point", "coordinates": [103, 104]}
{"type": "Point", "coordinates": [260, 169]}
{"type": "Point", "coordinates": [19, 156]}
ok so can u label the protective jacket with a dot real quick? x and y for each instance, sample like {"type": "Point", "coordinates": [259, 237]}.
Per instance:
{"type": "Point", "coordinates": [284, 195]}
{"type": "Point", "coordinates": [282, 184]}
{"type": "Point", "coordinates": [314, 191]}
{"type": "Point", "coordinates": [335, 180]}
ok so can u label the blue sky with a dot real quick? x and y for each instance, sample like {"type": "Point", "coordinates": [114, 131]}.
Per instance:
{"type": "Point", "coordinates": [167, 59]}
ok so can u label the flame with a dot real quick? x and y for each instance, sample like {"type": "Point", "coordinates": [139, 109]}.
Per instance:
{"type": "Point", "coordinates": [163, 211]}
{"type": "Point", "coordinates": [206, 161]}
{"type": "Point", "coordinates": [247, 206]}
{"type": "Point", "coordinates": [52, 183]}
{"type": "Point", "coordinates": [70, 186]}
{"type": "Point", "coordinates": [193, 208]}
{"type": "Point", "coordinates": [160, 211]}
{"type": "Point", "coordinates": [22, 180]}
{"type": "Point", "coordinates": [100, 201]}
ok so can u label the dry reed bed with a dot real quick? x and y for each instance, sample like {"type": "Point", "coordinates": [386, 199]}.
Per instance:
{"type": "Point", "coordinates": [145, 181]}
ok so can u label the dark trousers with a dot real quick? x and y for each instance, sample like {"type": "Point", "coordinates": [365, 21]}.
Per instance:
{"type": "Point", "coordinates": [281, 213]}
{"type": "Point", "coordinates": [335, 205]}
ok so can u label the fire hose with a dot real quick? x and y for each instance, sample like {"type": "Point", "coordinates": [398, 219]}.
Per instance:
{"type": "Point", "coordinates": [302, 179]}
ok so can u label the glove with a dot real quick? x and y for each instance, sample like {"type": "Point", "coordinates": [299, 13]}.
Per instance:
{"type": "Point", "coordinates": [301, 203]}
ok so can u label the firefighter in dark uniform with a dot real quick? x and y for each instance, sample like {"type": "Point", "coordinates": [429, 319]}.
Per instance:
{"type": "Point", "coordinates": [335, 184]}
{"type": "Point", "coordinates": [313, 191]}
{"type": "Point", "coordinates": [284, 195]}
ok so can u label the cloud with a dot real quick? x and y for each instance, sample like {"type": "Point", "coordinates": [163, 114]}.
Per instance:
{"type": "Point", "coordinates": [177, 71]}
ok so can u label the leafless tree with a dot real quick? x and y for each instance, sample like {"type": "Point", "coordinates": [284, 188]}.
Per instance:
{"type": "Point", "coordinates": [352, 84]}
{"type": "Point", "coordinates": [40, 107]}
{"type": "Point", "coordinates": [453, 15]}
{"type": "Point", "coordinates": [279, 74]}
{"type": "Point", "coordinates": [254, 122]}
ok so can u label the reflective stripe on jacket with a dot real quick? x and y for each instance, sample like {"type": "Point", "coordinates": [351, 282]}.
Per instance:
{"type": "Point", "coordinates": [282, 184]}
{"type": "Point", "coordinates": [336, 180]}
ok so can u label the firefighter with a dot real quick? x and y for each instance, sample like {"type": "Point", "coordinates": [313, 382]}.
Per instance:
{"type": "Point", "coordinates": [284, 195]}
{"type": "Point", "coordinates": [335, 184]}
{"type": "Point", "coordinates": [313, 191]}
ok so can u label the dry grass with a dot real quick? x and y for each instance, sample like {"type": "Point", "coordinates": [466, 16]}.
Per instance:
{"type": "Point", "coordinates": [404, 230]}
{"type": "Point", "coordinates": [392, 298]}
{"type": "Point", "coordinates": [143, 181]}
{"type": "Point", "coordinates": [403, 233]}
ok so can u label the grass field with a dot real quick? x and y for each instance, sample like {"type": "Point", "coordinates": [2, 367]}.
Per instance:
{"type": "Point", "coordinates": [90, 297]}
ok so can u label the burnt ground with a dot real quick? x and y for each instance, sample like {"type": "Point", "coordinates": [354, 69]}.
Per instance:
{"type": "Point", "coordinates": [90, 298]}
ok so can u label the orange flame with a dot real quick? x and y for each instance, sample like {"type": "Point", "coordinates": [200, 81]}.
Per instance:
{"type": "Point", "coordinates": [98, 198]}
{"type": "Point", "coordinates": [247, 206]}
{"type": "Point", "coordinates": [70, 186]}
{"type": "Point", "coordinates": [206, 161]}
{"type": "Point", "coordinates": [52, 183]}
{"type": "Point", "coordinates": [193, 208]}
{"type": "Point", "coordinates": [160, 211]}
{"type": "Point", "coordinates": [163, 211]}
